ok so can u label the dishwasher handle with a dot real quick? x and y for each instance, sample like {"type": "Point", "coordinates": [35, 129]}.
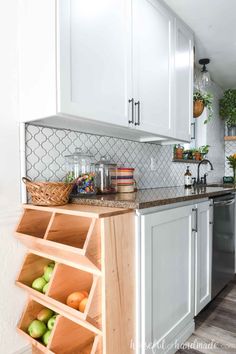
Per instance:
{"type": "Point", "coordinates": [225, 203]}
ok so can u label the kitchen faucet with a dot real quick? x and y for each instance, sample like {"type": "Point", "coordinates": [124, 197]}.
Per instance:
{"type": "Point", "coordinates": [198, 170]}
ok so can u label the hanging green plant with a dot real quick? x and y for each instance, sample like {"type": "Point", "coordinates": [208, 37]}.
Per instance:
{"type": "Point", "coordinates": [206, 100]}
{"type": "Point", "coordinates": [228, 107]}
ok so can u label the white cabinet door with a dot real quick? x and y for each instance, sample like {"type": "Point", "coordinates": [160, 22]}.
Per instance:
{"type": "Point", "coordinates": [153, 54]}
{"type": "Point", "coordinates": [203, 256]}
{"type": "Point", "coordinates": [183, 110]}
{"type": "Point", "coordinates": [167, 275]}
{"type": "Point", "coordinates": [95, 59]}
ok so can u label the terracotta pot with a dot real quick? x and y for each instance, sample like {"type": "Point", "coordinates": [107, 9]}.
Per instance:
{"type": "Point", "coordinates": [198, 156]}
{"type": "Point", "coordinates": [179, 154]}
{"type": "Point", "coordinates": [198, 108]}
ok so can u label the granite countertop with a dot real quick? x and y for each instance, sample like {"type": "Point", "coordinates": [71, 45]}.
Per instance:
{"type": "Point", "coordinates": [147, 198]}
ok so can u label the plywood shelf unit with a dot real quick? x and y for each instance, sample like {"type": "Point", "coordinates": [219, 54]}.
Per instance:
{"type": "Point", "coordinates": [93, 250]}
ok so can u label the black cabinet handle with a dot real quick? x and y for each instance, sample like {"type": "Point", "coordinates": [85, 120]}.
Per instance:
{"type": "Point", "coordinates": [138, 104]}
{"type": "Point", "coordinates": [132, 111]}
{"type": "Point", "coordinates": [194, 131]}
{"type": "Point", "coordinates": [196, 220]}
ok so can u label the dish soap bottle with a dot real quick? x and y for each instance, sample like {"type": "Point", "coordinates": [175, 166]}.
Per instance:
{"type": "Point", "coordinates": [188, 178]}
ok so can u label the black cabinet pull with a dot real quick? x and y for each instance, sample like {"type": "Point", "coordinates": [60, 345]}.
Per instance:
{"type": "Point", "coordinates": [194, 131]}
{"type": "Point", "coordinates": [138, 104]}
{"type": "Point", "coordinates": [195, 229]}
{"type": "Point", "coordinates": [132, 111]}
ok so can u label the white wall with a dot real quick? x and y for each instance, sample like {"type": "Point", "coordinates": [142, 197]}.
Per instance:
{"type": "Point", "coordinates": [215, 137]}
{"type": "Point", "coordinates": [11, 253]}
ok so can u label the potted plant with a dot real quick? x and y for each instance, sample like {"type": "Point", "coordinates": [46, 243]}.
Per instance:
{"type": "Point", "coordinates": [204, 149]}
{"type": "Point", "coordinates": [178, 152]}
{"type": "Point", "coordinates": [228, 110]}
{"type": "Point", "coordinates": [200, 101]}
{"type": "Point", "coordinates": [232, 163]}
{"type": "Point", "coordinates": [197, 155]}
{"type": "Point", "coordinates": [189, 154]}
{"type": "Point", "coordinates": [185, 154]}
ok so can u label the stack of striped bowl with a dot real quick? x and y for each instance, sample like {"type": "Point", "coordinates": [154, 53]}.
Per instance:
{"type": "Point", "coordinates": [125, 180]}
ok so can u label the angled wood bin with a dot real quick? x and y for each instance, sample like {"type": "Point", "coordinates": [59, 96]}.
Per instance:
{"type": "Point", "coordinates": [66, 337]}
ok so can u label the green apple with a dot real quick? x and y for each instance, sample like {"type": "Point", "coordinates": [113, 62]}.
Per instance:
{"type": "Point", "coordinates": [37, 329]}
{"type": "Point", "coordinates": [44, 315]}
{"type": "Point", "coordinates": [51, 322]}
{"type": "Point", "coordinates": [46, 337]}
{"type": "Point", "coordinates": [51, 265]}
{"type": "Point", "coordinates": [48, 273]}
{"type": "Point", "coordinates": [39, 283]}
{"type": "Point", "coordinates": [45, 288]}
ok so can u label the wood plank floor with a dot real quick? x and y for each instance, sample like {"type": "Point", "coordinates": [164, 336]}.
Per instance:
{"type": "Point", "coordinates": [215, 326]}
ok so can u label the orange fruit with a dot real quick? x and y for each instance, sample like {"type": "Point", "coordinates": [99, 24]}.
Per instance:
{"type": "Point", "coordinates": [83, 304]}
{"type": "Point", "coordinates": [74, 299]}
{"type": "Point", "coordinates": [85, 293]}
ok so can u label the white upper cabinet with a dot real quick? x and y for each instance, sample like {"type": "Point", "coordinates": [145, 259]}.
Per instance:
{"type": "Point", "coordinates": [183, 69]}
{"type": "Point", "coordinates": [75, 59]}
{"type": "Point", "coordinates": [119, 68]}
{"type": "Point", "coordinates": [95, 59]}
{"type": "Point", "coordinates": [153, 34]}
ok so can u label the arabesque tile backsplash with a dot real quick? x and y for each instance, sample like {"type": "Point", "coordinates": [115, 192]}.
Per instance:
{"type": "Point", "coordinates": [46, 148]}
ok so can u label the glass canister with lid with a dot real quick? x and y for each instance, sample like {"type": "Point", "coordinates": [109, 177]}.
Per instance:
{"type": "Point", "coordinates": [80, 167]}
{"type": "Point", "coordinates": [106, 176]}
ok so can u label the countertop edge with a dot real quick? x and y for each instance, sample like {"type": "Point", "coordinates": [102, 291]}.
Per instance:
{"type": "Point", "coordinates": [148, 204]}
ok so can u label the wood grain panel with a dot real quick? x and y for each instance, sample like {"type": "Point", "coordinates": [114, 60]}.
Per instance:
{"type": "Point", "coordinates": [118, 289]}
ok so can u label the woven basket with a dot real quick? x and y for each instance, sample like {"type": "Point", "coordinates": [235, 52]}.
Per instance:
{"type": "Point", "coordinates": [198, 108]}
{"type": "Point", "coordinates": [48, 193]}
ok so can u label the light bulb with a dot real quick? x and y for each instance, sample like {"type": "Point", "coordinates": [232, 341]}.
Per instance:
{"type": "Point", "coordinates": [206, 80]}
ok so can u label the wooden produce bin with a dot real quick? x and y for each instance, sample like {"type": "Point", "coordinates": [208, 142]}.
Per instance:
{"type": "Point", "coordinates": [70, 338]}
{"type": "Point", "coordinates": [67, 337]}
{"type": "Point", "coordinates": [32, 268]}
{"type": "Point", "coordinates": [94, 250]}
{"type": "Point", "coordinates": [34, 223]}
{"type": "Point", "coordinates": [68, 280]}
{"type": "Point", "coordinates": [70, 237]}
{"type": "Point", "coordinates": [30, 313]}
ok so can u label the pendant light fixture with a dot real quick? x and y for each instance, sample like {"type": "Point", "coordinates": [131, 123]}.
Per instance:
{"type": "Point", "coordinates": [205, 76]}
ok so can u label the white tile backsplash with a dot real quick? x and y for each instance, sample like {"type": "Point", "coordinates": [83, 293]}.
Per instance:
{"type": "Point", "coordinates": [46, 148]}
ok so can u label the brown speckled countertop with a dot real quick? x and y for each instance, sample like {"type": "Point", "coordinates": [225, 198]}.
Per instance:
{"type": "Point", "coordinates": [147, 198]}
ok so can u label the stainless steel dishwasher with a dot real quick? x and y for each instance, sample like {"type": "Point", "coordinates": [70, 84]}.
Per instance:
{"type": "Point", "coordinates": [223, 257]}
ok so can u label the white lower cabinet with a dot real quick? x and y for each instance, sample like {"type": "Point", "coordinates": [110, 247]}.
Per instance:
{"type": "Point", "coordinates": [167, 281]}
{"type": "Point", "coordinates": [175, 281]}
{"type": "Point", "coordinates": [203, 255]}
